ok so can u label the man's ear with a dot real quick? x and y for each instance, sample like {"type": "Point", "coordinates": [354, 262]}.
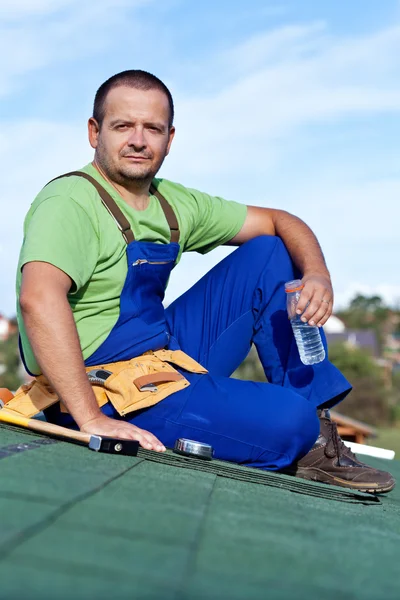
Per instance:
{"type": "Point", "coordinates": [93, 132]}
{"type": "Point", "coordinates": [171, 137]}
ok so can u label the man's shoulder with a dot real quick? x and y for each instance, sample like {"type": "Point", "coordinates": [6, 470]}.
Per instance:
{"type": "Point", "coordinates": [172, 189]}
{"type": "Point", "coordinates": [66, 190]}
{"type": "Point", "coordinates": [68, 185]}
{"type": "Point", "coordinates": [180, 196]}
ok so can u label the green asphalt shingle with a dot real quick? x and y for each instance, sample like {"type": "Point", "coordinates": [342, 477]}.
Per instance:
{"type": "Point", "coordinates": [74, 523]}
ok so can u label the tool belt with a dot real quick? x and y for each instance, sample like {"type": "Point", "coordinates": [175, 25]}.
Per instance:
{"type": "Point", "coordinates": [129, 385]}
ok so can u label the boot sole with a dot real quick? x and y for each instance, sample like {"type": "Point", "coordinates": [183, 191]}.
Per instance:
{"type": "Point", "coordinates": [320, 476]}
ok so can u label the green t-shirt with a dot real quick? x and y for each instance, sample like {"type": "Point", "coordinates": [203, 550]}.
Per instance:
{"type": "Point", "coordinates": [68, 226]}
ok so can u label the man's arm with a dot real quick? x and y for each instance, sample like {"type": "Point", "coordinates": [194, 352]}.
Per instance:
{"type": "Point", "coordinates": [305, 252]}
{"type": "Point", "coordinates": [52, 332]}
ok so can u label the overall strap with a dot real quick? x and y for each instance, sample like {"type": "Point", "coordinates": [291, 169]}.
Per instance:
{"type": "Point", "coordinates": [117, 214]}
{"type": "Point", "coordinates": [169, 214]}
{"type": "Point", "coordinates": [110, 204]}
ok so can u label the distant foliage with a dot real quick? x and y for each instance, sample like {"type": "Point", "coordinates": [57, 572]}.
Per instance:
{"type": "Point", "coordinates": [368, 312]}
{"type": "Point", "coordinates": [9, 358]}
{"type": "Point", "coordinates": [375, 398]}
{"type": "Point", "coordinates": [250, 369]}
{"type": "Point", "coordinates": [369, 400]}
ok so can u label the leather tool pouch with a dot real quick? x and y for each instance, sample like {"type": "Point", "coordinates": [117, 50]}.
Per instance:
{"type": "Point", "coordinates": [145, 380]}
{"type": "Point", "coordinates": [31, 398]}
{"type": "Point", "coordinates": [132, 385]}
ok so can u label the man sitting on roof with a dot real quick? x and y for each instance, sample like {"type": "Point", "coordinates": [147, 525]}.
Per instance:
{"type": "Point", "coordinates": [99, 247]}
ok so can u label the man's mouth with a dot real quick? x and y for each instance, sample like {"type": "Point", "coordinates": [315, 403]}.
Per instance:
{"type": "Point", "coordinates": [138, 158]}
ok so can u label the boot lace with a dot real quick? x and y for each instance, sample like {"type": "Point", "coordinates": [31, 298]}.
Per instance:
{"type": "Point", "coordinates": [335, 445]}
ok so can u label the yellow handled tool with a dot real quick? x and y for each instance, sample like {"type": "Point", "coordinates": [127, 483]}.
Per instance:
{"type": "Point", "coordinates": [94, 442]}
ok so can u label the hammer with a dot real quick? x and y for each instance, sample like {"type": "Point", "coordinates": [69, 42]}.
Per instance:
{"type": "Point", "coordinates": [94, 442]}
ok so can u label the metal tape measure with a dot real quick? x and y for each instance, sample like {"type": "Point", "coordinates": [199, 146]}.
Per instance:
{"type": "Point", "coordinates": [192, 448]}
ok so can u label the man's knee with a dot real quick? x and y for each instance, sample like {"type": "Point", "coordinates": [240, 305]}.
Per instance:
{"type": "Point", "coordinates": [258, 251]}
{"type": "Point", "coordinates": [262, 244]}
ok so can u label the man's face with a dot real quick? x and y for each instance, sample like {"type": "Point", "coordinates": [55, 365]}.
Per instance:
{"type": "Point", "coordinates": [134, 137]}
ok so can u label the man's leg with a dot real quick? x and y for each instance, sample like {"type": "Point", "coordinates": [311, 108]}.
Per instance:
{"type": "Point", "coordinates": [242, 301]}
{"type": "Point", "coordinates": [267, 425]}
{"type": "Point", "coordinates": [257, 424]}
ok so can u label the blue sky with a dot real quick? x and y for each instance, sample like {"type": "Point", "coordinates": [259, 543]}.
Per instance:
{"type": "Point", "coordinates": [291, 104]}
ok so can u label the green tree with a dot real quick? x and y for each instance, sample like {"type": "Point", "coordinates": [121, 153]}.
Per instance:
{"type": "Point", "coordinates": [251, 368]}
{"type": "Point", "coordinates": [9, 358]}
{"type": "Point", "coordinates": [367, 312]}
{"type": "Point", "coordinates": [369, 399]}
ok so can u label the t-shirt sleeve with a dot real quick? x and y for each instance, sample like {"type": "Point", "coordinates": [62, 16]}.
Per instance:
{"type": "Point", "coordinates": [216, 222]}
{"type": "Point", "coordinates": [60, 232]}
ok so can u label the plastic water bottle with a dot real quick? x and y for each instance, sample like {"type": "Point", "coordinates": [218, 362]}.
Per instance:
{"type": "Point", "coordinates": [308, 337]}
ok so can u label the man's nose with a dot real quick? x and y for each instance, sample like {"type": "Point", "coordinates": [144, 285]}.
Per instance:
{"type": "Point", "coordinates": [137, 139]}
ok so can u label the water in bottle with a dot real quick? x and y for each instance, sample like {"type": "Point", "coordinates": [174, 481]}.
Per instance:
{"type": "Point", "coordinates": [308, 337]}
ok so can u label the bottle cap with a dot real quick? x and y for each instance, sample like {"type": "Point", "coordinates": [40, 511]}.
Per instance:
{"type": "Point", "coordinates": [294, 286]}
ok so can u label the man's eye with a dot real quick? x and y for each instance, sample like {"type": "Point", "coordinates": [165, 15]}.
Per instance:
{"type": "Point", "coordinates": [122, 127]}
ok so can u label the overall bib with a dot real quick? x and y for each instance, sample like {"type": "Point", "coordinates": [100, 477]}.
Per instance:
{"type": "Point", "coordinates": [239, 302]}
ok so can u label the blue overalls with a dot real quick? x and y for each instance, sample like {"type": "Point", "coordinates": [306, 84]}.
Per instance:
{"type": "Point", "coordinates": [239, 302]}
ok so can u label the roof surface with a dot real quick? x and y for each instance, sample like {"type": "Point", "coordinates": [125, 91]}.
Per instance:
{"type": "Point", "coordinates": [77, 524]}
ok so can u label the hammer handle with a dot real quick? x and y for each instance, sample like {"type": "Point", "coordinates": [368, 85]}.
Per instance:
{"type": "Point", "coordinates": [44, 427]}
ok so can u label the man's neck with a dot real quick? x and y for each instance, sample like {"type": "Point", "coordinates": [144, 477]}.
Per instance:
{"type": "Point", "coordinates": [136, 195]}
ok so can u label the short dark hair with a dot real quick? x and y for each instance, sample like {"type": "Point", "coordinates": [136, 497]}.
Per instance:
{"type": "Point", "coordinates": [135, 78]}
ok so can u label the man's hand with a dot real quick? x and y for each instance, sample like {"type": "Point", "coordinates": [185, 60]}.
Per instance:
{"type": "Point", "coordinates": [108, 427]}
{"type": "Point", "coordinates": [318, 294]}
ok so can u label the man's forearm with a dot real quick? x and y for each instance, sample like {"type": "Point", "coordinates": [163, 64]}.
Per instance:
{"type": "Point", "coordinates": [300, 242]}
{"type": "Point", "coordinates": [51, 330]}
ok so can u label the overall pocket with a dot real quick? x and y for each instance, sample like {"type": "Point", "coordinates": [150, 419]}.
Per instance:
{"type": "Point", "coordinates": [149, 280]}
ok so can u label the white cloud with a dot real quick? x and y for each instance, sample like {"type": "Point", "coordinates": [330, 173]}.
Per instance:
{"type": "Point", "coordinates": [43, 33]}
{"type": "Point", "coordinates": [10, 9]}
{"type": "Point", "coordinates": [363, 212]}
{"type": "Point", "coordinates": [279, 83]}
{"type": "Point", "coordinates": [357, 226]}
{"type": "Point", "coordinates": [290, 89]}
{"type": "Point", "coordinates": [389, 292]}
{"type": "Point", "coordinates": [247, 128]}
{"type": "Point", "coordinates": [13, 9]}
{"type": "Point", "coordinates": [275, 47]}
{"type": "Point", "coordinates": [31, 153]}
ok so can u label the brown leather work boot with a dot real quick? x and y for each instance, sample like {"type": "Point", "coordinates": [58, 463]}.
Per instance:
{"type": "Point", "coordinates": [330, 461]}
